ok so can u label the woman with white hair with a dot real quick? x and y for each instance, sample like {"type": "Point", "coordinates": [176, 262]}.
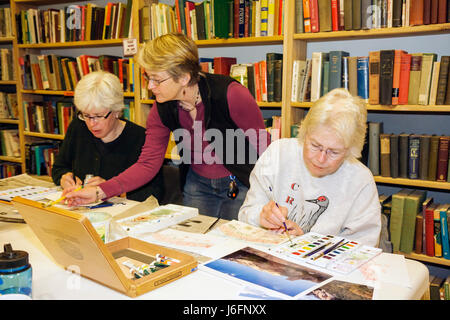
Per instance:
{"type": "Point", "coordinates": [98, 142]}
{"type": "Point", "coordinates": [315, 182]}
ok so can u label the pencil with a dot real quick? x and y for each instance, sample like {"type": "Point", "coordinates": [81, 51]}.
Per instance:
{"type": "Point", "coordinates": [51, 203]}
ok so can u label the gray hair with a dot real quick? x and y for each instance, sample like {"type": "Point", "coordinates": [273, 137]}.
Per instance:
{"type": "Point", "coordinates": [341, 112]}
{"type": "Point", "coordinates": [99, 90]}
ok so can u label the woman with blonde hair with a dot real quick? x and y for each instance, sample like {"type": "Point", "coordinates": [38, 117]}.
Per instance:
{"type": "Point", "coordinates": [219, 127]}
{"type": "Point", "coordinates": [99, 144]}
{"type": "Point", "coordinates": [315, 182]}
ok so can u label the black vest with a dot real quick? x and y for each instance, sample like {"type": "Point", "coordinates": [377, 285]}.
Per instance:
{"type": "Point", "coordinates": [213, 90]}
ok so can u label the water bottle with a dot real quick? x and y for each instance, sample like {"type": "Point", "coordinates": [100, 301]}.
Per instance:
{"type": "Point", "coordinates": [15, 272]}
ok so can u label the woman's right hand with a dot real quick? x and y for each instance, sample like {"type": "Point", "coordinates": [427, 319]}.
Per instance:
{"type": "Point", "coordinates": [69, 182]}
{"type": "Point", "coordinates": [273, 216]}
{"type": "Point", "coordinates": [84, 196]}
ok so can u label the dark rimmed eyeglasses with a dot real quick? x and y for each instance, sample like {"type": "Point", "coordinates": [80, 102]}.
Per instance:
{"type": "Point", "coordinates": [85, 117]}
{"type": "Point", "coordinates": [155, 82]}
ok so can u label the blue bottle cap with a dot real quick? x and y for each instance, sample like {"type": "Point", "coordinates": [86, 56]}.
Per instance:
{"type": "Point", "coordinates": [10, 259]}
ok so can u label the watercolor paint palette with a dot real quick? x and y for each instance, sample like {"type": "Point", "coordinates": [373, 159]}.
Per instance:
{"type": "Point", "coordinates": [329, 252]}
{"type": "Point", "coordinates": [303, 245]}
{"type": "Point", "coordinates": [28, 192]}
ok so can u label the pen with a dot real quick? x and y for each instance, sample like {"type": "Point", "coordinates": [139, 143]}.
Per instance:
{"type": "Point", "coordinates": [338, 244]}
{"type": "Point", "coordinates": [102, 205]}
{"type": "Point", "coordinates": [51, 203]}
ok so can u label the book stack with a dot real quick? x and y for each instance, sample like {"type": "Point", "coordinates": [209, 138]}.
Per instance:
{"type": "Point", "coordinates": [48, 116]}
{"type": "Point", "coordinates": [8, 106]}
{"type": "Point", "coordinates": [336, 15]}
{"type": "Point", "coordinates": [74, 23]}
{"type": "Point", "coordinates": [417, 224]}
{"type": "Point", "coordinates": [410, 156]}
{"type": "Point", "coordinates": [40, 156]}
{"type": "Point", "coordinates": [385, 77]}
{"type": "Point", "coordinates": [7, 71]}
{"type": "Point", "coordinates": [52, 72]}
{"type": "Point", "coordinates": [205, 20]}
{"type": "Point", "coordinates": [5, 23]}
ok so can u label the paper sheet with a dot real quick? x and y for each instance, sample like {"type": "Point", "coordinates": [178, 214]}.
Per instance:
{"type": "Point", "coordinates": [387, 268]}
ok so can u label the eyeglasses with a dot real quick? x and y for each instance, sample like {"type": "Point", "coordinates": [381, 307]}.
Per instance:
{"type": "Point", "coordinates": [155, 82]}
{"type": "Point", "coordinates": [84, 117]}
{"type": "Point", "coordinates": [330, 153]}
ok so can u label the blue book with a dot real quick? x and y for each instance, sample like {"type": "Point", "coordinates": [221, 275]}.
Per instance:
{"type": "Point", "coordinates": [362, 64]}
{"type": "Point", "coordinates": [444, 232]}
{"type": "Point", "coordinates": [241, 18]}
{"type": "Point", "coordinates": [413, 156]}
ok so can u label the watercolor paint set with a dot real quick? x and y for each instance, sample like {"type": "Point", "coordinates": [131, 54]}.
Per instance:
{"type": "Point", "coordinates": [327, 251]}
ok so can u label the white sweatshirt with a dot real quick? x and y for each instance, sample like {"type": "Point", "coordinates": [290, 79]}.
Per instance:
{"type": "Point", "coordinates": [344, 203]}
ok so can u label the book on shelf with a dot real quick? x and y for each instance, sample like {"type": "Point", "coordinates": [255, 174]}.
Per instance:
{"type": "Point", "coordinates": [414, 78]}
{"type": "Point", "coordinates": [7, 71]}
{"type": "Point", "coordinates": [386, 76]}
{"type": "Point", "coordinates": [375, 129]}
{"type": "Point", "coordinates": [324, 8]}
{"type": "Point", "coordinates": [403, 148]}
{"type": "Point", "coordinates": [416, 12]}
{"type": "Point", "coordinates": [405, 69]}
{"type": "Point", "coordinates": [433, 157]}
{"type": "Point", "coordinates": [374, 77]}
{"type": "Point", "coordinates": [438, 229]}
{"type": "Point", "coordinates": [423, 156]}
{"type": "Point", "coordinates": [425, 77]}
{"type": "Point", "coordinates": [434, 83]}
{"type": "Point", "coordinates": [335, 77]}
{"type": "Point", "coordinates": [429, 229]}
{"type": "Point", "coordinates": [412, 208]}
{"type": "Point", "coordinates": [348, 15]}
{"type": "Point", "coordinates": [316, 75]}
{"type": "Point", "coordinates": [272, 74]}
{"type": "Point", "coordinates": [436, 283]}
{"type": "Point", "coordinates": [385, 155]}
{"type": "Point", "coordinates": [420, 238]}
{"type": "Point", "coordinates": [413, 154]}
{"type": "Point", "coordinates": [396, 221]}
{"type": "Point", "coordinates": [8, 106]}
{"type": "Point", "coordinates": [443, 217]}
{"type": "Point", "coordinates": [363, 77]}
{"type": "Point", "coordinates": [325, 74]}
{"type": "Point", "coordinates": [442, 159]}
{"type": "Point", "coordinates": [398, 55]}
{"type": "Point", "coordinates": [353, 76]}
{"type": "Point", "coordinates": [394, 160]}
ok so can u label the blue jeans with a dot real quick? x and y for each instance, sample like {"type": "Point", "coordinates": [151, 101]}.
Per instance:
{"type": "Point", "coordinates": [210, 196]}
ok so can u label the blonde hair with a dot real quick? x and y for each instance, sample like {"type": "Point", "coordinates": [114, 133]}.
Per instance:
{"type": "Point", "coordinates": [343, 113]}
{"type": "Point", "coordinates": [99, 90]}
{"type": "Point", "coordinates": [174, 53]}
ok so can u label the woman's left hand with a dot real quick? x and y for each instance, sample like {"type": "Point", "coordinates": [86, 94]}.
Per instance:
{"type": "Point", "coordinates": [94, 181]}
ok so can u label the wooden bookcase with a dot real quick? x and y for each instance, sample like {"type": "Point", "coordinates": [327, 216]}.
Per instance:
{"type": "Point", "coordinates": [294, 47]}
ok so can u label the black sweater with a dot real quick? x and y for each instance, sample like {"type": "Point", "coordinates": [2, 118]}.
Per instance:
{"type": "Point", "coordinates": [82, 153]}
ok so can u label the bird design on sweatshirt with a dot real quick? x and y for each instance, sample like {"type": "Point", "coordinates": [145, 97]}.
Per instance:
{"type": "Point", "coordinates": [308, 220]}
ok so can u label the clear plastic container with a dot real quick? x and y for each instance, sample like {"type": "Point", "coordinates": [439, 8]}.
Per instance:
{"type": "Point", "coordinates": [15, 272]}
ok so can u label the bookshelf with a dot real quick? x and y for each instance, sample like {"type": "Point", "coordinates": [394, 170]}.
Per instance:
{"type": "Point", "coordinates": [9, 41]}
{"type": "Point", "coordinates": [298, 46]}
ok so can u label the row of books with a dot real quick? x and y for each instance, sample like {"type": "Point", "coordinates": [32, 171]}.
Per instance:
{"type": "Point", "coordinates": [54, 117]}
{"type": "Point", "coordinates": [273, 126]}
{"type": "Point", "coordinates": [40, 156]}
{"type": "Point", "coordinates": [336, 15]}
{"type": "Point", "coordinates": [387, 77]}
{"type": "Point", "coordinates": [52, 72]}
{"type": "Point", "coordinates": [7, 71]}
{"type": "Point", "coordinates": [412, 156]}
{"type": "Point", "coordinates": [203, 20]}
{"type": "Point", "coordinates": [74, 23]}
{"type": "Point", "coordinates": [8, 106]}
{"type": "Point", "coordinates": [439, 287]}
{"type": "Point", "coordinates": [9, 169]}
{"type": "Point", "coordinates": [9, 140]}
{"type": "Point", "coordinates": [417, 223]}
{"type": "Point", "coordinates": [48, 116]}
{"type": "Point", "coordinates": [5, 23]}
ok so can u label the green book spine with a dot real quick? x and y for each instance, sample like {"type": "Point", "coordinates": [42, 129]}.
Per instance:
{"type": "Point", "coordinates": [412, 207]}
{"type": "Point", "coordinates": [396, 221]}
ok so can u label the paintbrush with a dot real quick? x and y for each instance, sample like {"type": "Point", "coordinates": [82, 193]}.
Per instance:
{"type": "Point", "coordinates": [284, 223]}
{"type": "Point", "coordinates": [51, 203]}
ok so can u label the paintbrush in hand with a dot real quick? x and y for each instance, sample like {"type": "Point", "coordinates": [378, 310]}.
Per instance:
{"type": "Point", "coordinates": [51, 203]}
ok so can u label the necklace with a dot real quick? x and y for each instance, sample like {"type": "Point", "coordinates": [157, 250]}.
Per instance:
{"type": "Point", "coordinates": [197, 101]}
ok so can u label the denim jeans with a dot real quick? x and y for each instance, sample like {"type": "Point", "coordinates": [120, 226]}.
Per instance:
{"type": "Point", "coordinates": [210, 196]}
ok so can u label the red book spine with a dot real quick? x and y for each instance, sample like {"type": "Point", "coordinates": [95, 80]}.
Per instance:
{"type": "Point", "coordinates": [403, 89]}
{"type": "Point", "coordinates": [429, 231]}
{"type": "Point", "coordinates": [236, 18]}
{"type": "Point", "coordinates": [314, 11]}
{"type": "Point", "coordinates": [178, 16]}
{"type": "Point", "coordinates": [396, 76]}
{"type": "Point", "coordinates": [442, 11]}
{"type": "Point", "coordinates": [334, 15]}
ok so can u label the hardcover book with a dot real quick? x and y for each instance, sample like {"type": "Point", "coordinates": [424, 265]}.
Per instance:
{"type": "Point", "coordinates": [394, 161]}
{"type": "Point", "coordinates": [386, 76]}
{"type": "Point", "coordinates": [414, 78]}
{"type": "Point", "coordinates": [414, 153]}
{"type": "Point", "coordinates": [403, 148]}
{"type": "Point", "coordinates": [396, 222]}
{"type": "Point", "coordinates": [375, 129]}
{"type": "Point", "coordinates": [374, 77]}
{"type": "Point", "coordinates": [385, 155]}
{"type": "Point", "coordinates": [335, 80]}
{"type": "Point", "coordinates": [412, 207]}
